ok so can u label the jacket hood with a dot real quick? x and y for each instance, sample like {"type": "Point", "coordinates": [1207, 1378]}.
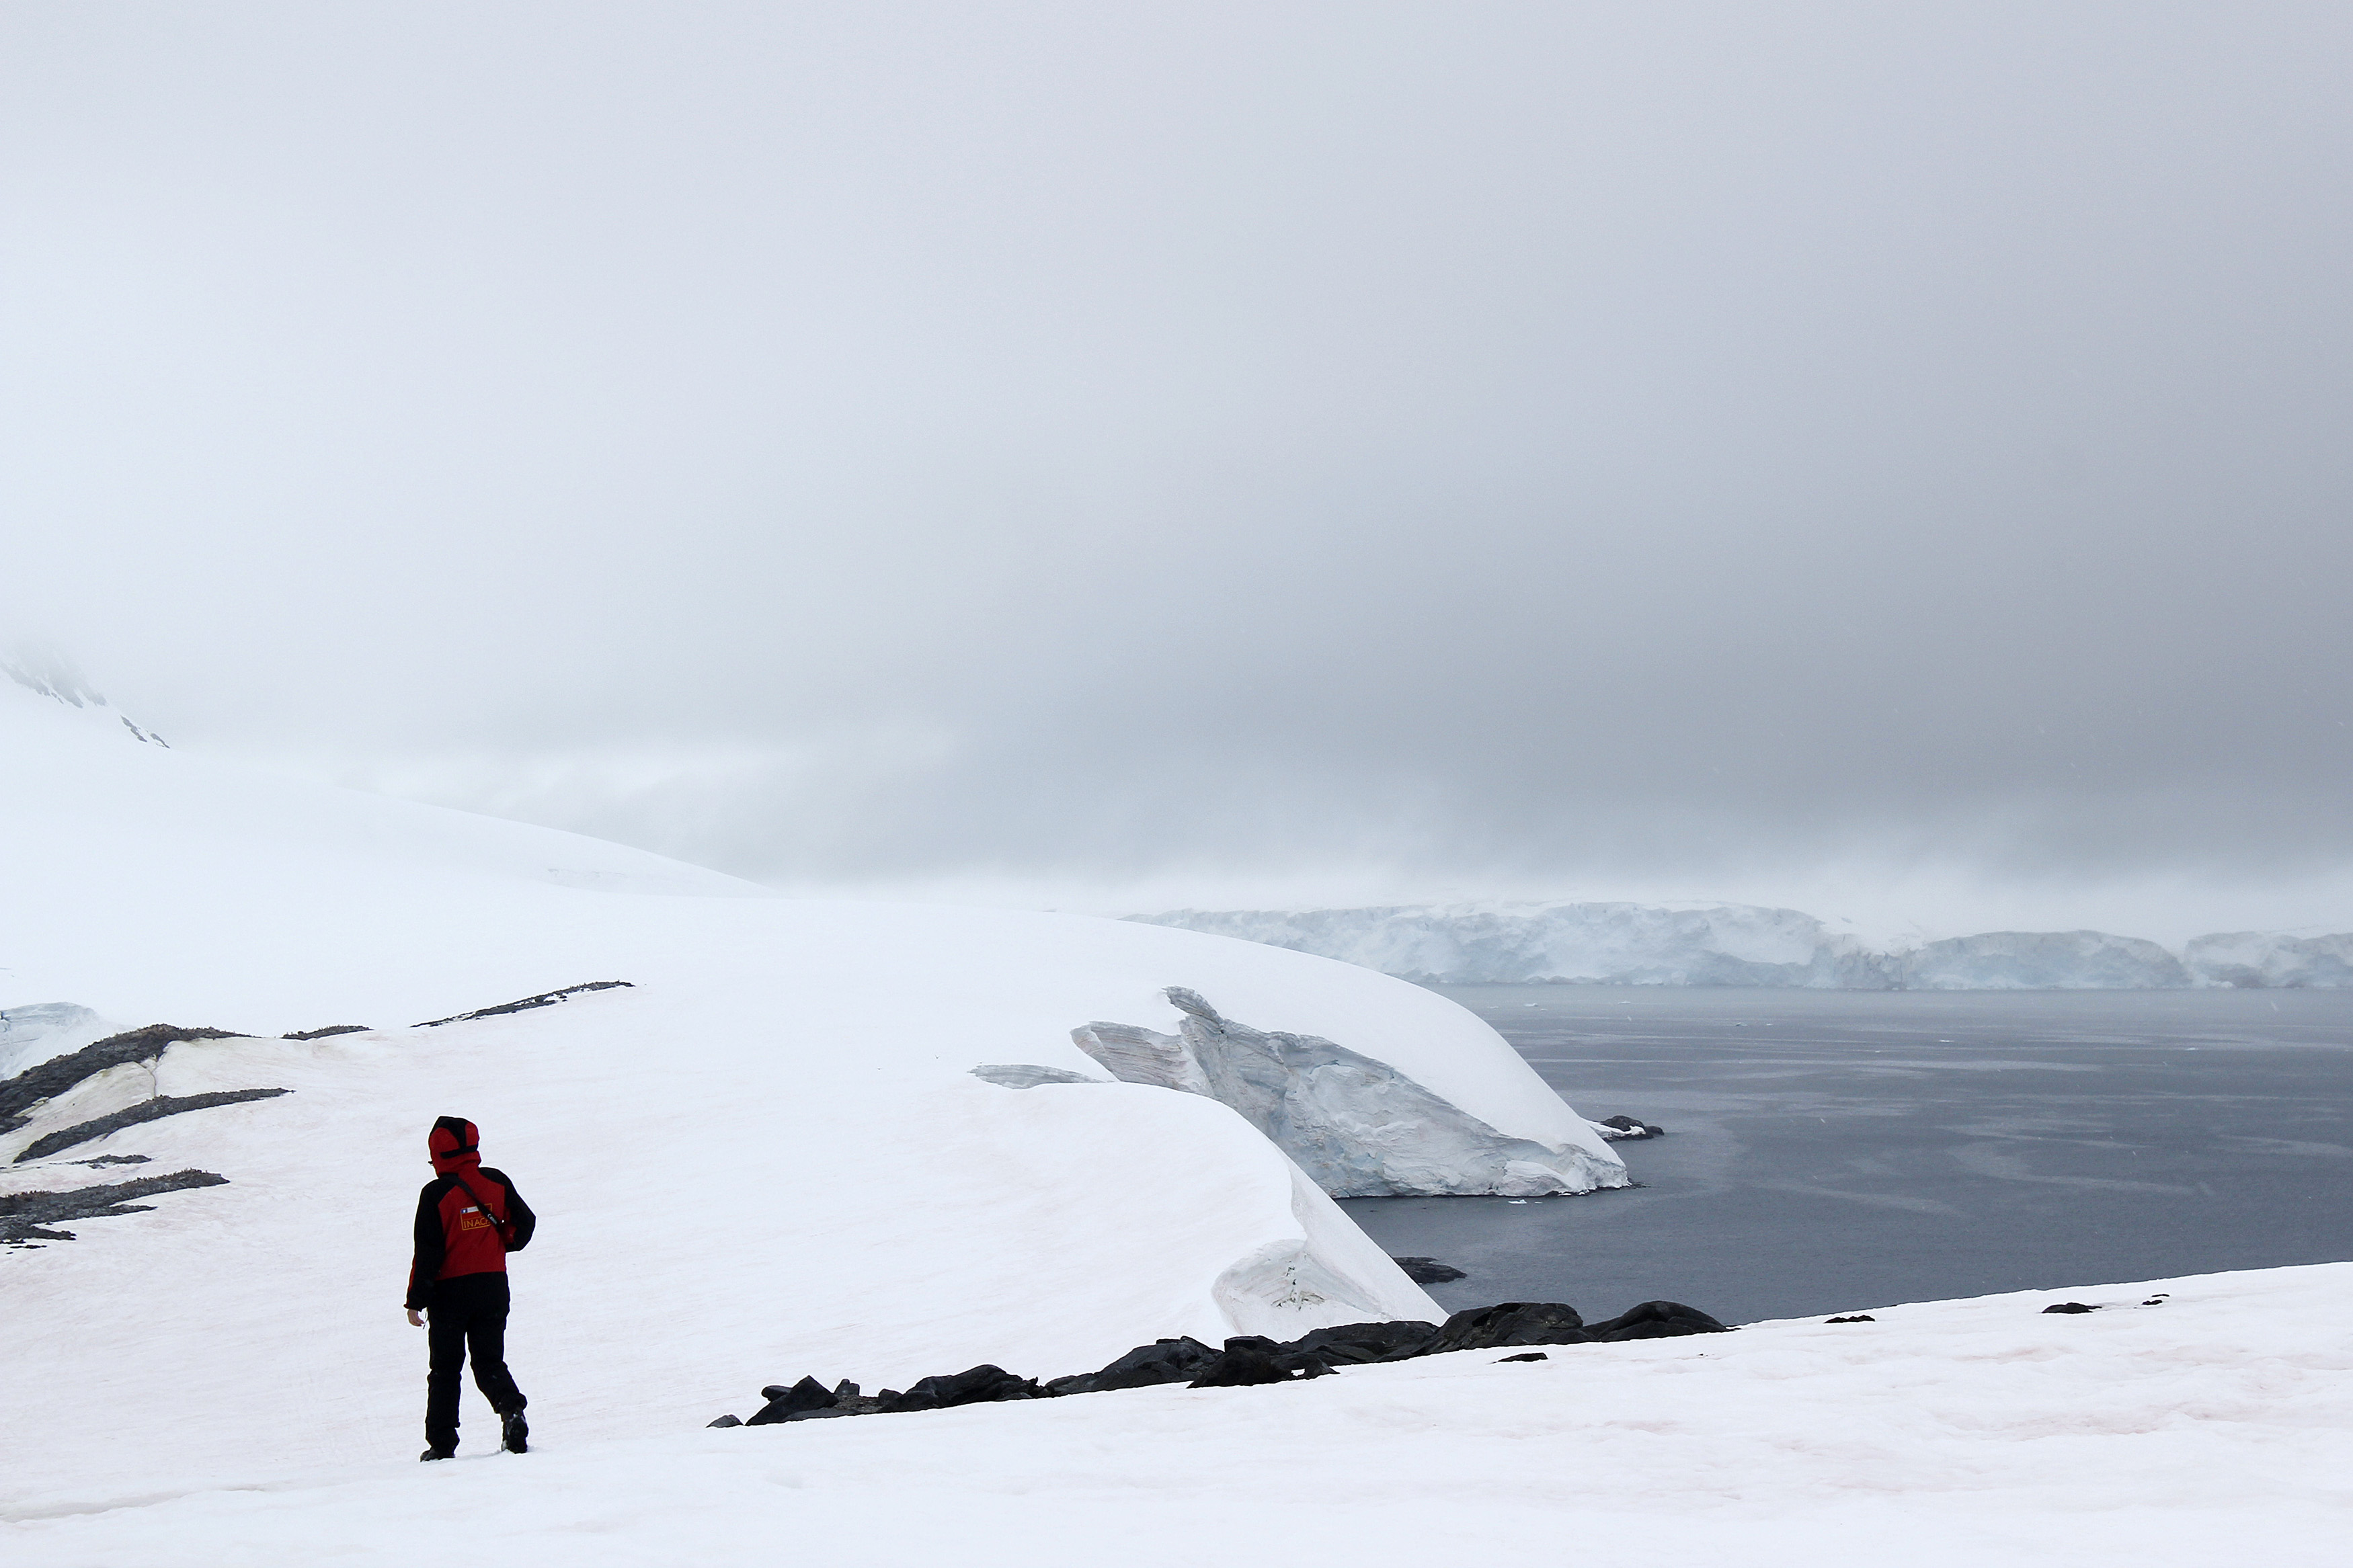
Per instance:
{"type": "Point", "coordinates": [455, 1146]}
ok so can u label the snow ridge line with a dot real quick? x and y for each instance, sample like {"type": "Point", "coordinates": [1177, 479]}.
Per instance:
{"type": "Point", "coordinates": [544, 999]}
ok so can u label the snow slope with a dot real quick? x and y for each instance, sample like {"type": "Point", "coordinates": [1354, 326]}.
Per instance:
{"type": "Point", "coordinates": [2215, 1427]}
{"type": "Point", "coordinates": [768, 1151]}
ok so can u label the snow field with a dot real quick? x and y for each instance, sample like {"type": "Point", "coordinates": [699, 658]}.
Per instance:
{"type": "Point", "coordinates": [2217, 1426]}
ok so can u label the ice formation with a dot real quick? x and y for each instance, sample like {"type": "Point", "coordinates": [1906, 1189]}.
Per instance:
{"type": "Point", "coordinates": [1357, 1127]}
{"type": "Point", "coordinates": [2266, 959]}
{"type": "Point", "coordinates": [1740, 944]}
{"type": "Point", "coordinates": [1601, 943]}
{"type": "Point", "coordinates": [2043, 961]}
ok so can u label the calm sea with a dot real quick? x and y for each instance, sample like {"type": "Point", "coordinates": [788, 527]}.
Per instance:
{"type": "Point", "coordinates": [1836, 1151]}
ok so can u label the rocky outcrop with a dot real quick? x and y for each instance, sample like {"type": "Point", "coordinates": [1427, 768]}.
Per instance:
{"type": "Point", "coordinates": [1246, 1359]}
{"type": "Point", "coordinates": [544, 999]}
{"type": "Point", "coordinates": [145, 1111]}
{"type": "Point", "coordinates": [1627, 1128]}
{"type": "Point", "coordinates": [26, 1216]}
{"type": "Point", "coordinates": [47, 1079]}
{"type": "Point", "coordinates": [1357, 1127]}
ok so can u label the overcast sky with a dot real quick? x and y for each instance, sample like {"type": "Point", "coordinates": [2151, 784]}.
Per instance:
{"type": "Point", "coordinates": [1122, 454]}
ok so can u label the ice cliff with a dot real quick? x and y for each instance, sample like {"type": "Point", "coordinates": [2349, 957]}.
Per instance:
{"type": "Point", "coordinates": [2042, 960]}
{"type": "Point", "coordinates": [1357, 1127]}
{"type": "Point", "coordinates": [2265, 959]}
{"type": "Point", "coordinates": [1600, 943]}
{"type": "Point", "coordinates": [1740, 944]}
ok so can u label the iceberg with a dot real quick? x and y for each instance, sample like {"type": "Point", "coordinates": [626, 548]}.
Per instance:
{"type": "Point", "coordinates": [1357, 1127]}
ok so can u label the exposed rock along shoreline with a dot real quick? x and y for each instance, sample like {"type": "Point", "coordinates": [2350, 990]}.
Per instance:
{"type": "Point", "coordinates": [1741, 945]}
{"type": "Point", "coordinates": [1244, 1361]}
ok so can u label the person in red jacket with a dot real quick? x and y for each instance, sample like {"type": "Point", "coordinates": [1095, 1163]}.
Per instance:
{"type": "Point", "coordinates": [467, 1219]}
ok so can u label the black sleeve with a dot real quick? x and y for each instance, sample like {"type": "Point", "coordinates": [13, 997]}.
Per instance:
{"type": "Point", "coordinates": [431, 1244]}
{"type": "Point", "coordinates": [519, 1215]}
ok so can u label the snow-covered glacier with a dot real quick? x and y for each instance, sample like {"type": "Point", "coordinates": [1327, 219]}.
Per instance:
{"type": "Point", "coordinates": [2042, 960]}
{"type": "Point", "coordinates": [1740, 944]}
{"type": "Point", "coordinates": [1597, 943]}
{"type": "Point", "coordinates": [2268, 959]}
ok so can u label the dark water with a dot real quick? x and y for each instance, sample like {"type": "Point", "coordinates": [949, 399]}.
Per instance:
{"type": "Point", "coordinates": [1832, 1150]}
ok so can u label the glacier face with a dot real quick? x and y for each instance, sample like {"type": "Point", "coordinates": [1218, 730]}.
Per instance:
{"type": "Point", "coordinates": [1598, 943]}
{"type": "Point", "coordinates": [1357, 1127]}
{"type": "Point", "coordinates": [2265, 959]}
{"type": "Point", "coordinates": [2043, 961]}
{"type": "Point", "coordinates": [1740, 945]}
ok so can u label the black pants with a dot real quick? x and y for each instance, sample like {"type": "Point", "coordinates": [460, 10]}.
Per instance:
{"type": "Point", "coordinates": [467, 1312]}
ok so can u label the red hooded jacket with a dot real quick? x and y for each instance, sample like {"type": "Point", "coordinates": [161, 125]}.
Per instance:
{"type": "Point", "coordinates": [468, 1219]}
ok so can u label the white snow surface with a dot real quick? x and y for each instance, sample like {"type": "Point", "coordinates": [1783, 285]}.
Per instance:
{"type": "Point", "coordinates": [1741, 945]}
{"type": "Point", "coordinates": [2217, 1426]}
{"type": "Point", "coordinates": [766, 1158]}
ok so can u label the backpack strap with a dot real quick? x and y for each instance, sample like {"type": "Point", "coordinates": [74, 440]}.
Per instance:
{"type": "Point", "coordinates": [500, 1227]}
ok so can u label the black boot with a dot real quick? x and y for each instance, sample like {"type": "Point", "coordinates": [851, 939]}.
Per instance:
{"type": "Point", "coordinates": [514, 1433]}
{"type": "Point", "coordinates": [438, 1454]}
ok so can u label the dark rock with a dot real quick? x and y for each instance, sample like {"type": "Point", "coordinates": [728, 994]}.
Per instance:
{"type": "Point", "coordinates": [1858, 1318]}
{"type": "Point", "coordinates": [1628, 1129]}
{"type": "Point", "coordinates": [46, 1081]}
{"type": "Point", "coordinates": [2069, 1307]}
{"type": "Point", "coordinates": [1525, 1355]}
{"type": "Point", "coordinates": [145, 1111]}
{"type": "Point", "coordinates": [112, 1159]}
{"type": "Point", "coordinates": [544, 999]}
{"type": "Point", "coordinates": [845, 1389]}
{"type": "Point", "coordinates": [784, 1403]}
{"type": "Point", "coordinates": [1656, 1320]}
{"type": "Point", "coordinates": [724, 1420]}
{"type": "Point", "coordinates": [1162, 1361]}
{"type": "Point", "coordinates": [1428, 1270]}
{"type": "Point", "coordinates": [981, 1384]}
{"type": "Point", "coordinates": [1351, 1344]}
{"type": "Point", "coordinates": [1247, 1360]}
{"type": "Point", "coordinates": [1507, 1325]}
{"type": "Point", "coordinates": [2158, 1299]}
{"type": "Point", "coordinates": [24, 1214]}
{"type": "Point", "coordinates": [322, 1034]}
